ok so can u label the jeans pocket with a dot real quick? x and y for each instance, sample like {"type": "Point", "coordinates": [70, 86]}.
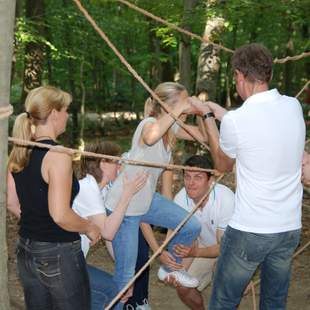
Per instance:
{"type": "Point", "coordinates": [48, 267]}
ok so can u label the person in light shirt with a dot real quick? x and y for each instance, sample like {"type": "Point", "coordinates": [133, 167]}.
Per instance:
{"type": "Point", "coordinates": [89, 203]}
{"type": "Point", "coordinates": [265, 137]}
{"type": "Point", "coordinates": [214, 215]}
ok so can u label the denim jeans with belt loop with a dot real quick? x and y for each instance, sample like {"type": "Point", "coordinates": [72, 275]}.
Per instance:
{"type": "Point", "coordinates": [241, 253]}
{"type": "Point", "coordinates": [53, 275]}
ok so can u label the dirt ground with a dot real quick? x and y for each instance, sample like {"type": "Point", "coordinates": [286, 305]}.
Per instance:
{"type": "Point", "coordinates": [164, 297]}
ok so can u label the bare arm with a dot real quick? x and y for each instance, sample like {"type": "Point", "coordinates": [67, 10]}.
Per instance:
{"type": "Point", "coordinates": [109, 225]}
{"type": "Point", "coordinates": [57, 172]}
{"type": "Point", "coordinates": [13, 204]}
{"type": "Point", "coordinates": [222, 162]}
{"type": "Point", "coordinates": [152, 132]}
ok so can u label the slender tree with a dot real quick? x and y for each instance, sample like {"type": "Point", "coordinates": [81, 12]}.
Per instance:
{"type": "Point", "coordinates": [7, 11]}
{"type": "Point", "coordinates": [34, 50]}
{"type": "Point", "coordinates": [185, 51]}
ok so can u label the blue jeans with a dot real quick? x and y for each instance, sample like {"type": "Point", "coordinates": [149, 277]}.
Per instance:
{"type": "Point", "coordinates": [241, 254]}
{"type": "Point", "coordinates": [53, 275]}
{"type": "Point", "coordinates": [141, 287]}
{"type": "Point", "coordinates": [163, 213]}
{"type": "Point", "coordinates": [102, 287]}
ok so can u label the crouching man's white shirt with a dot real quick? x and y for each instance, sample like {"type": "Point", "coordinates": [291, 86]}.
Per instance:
{"type": "Point", "coordinates": [214, 215]}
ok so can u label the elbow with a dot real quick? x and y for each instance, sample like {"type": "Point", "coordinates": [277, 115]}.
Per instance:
{"type": "Point", "coordinates": [149, 140]}
{"type": "Point", "coordinates": [107, 236]}
{"type": "Point", "coordinates": [60, 220]}
{"type": "Point", "coordinates": [224, 167]}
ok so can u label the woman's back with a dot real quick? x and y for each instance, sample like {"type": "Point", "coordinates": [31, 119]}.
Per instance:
{"type": "Point", "coordinates": [36, 222]}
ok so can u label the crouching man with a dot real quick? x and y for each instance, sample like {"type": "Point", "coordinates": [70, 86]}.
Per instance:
{"type": "Point", "coordinates": [214, 215]}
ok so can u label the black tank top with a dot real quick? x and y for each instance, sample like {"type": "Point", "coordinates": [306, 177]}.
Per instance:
{"type": "Point", "coordinates": [32, 191]}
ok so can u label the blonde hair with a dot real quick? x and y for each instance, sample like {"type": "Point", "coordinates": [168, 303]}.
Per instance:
{"type": "Point", "coordinates": [168, 92]}
{"type": "Point", "coordinates": [39, 103]}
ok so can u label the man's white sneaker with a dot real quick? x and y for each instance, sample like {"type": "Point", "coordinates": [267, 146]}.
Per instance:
{"type": "Point", "coordinates": [181, 276]}
{"type": "Point", "coordinates": [145, 306]}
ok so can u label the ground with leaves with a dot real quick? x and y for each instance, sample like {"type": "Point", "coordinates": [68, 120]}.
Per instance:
{"type": "Point", "coordinates": [164, 297]}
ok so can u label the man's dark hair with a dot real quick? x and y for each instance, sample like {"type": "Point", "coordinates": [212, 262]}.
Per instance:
{"type": "Point", "coordinates": [254, 61]}
{"type": "Point", "coordinates": [200, 162]}
{"type": "Point", "coordinates": [90, 165]}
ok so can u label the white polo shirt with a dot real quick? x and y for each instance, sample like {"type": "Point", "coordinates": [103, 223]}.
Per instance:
{"type": "Point", "coordinates": [266, 137]}
{"type": "Point", "coordinates": [214, 215]}
{"type": "Point", "coordinates": [89, 202]}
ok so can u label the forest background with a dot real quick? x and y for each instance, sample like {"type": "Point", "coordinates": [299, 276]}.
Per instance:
{"type": "Point", "coordinates": [55, 44]}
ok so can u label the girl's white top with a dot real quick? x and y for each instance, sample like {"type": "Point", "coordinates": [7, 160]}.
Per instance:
{"type": "Point", "coordinates": [157, 153]}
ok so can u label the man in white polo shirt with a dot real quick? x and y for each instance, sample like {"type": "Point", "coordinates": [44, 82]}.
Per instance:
{"type": "Point", "coordinates": [265, 138]}
{"type": "Point", "coordinates": [214, 215]}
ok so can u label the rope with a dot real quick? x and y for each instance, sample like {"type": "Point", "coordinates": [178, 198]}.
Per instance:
{"type": "Point", "coordinates": [291, 58]}
{"type": "Point", "coordinates": [175, 27]}
{"type": "Point", "coordinates": [301, 91]}
{"type": "Point", "coordinates": [70, 151]}
{"type": "Point", "coordinates": [161, 248]}
{"type": "Point", "coordinates": [6, 111]}
{"type": "Point", "coordinates": [134, 73]}
{"type": "Point", "coordinates": [202, 39]}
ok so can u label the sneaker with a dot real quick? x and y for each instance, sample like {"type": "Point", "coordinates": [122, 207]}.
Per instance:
{"type": "Point", "coordinates": [145, 306]}
{"type": "Point", "coordinates": [180, 276]}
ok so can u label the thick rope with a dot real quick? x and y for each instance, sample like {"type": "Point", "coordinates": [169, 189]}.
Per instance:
{"type": "Point", "coordinates": [302, 90]}
{"type": "Point", "coordinates": [291, 58]}
{"type": "Point", "coordinates": [134, 73]}
{"type": "Point", "coordinates": [70, 151]}
{"type": "Point", "coordinates": [203, 39]}
{"type": "Point", "coordinates": [162, 247]}
{"type": "Point", "coordinates": [175, 27]}
{"type": "Point", "coordinates": [6, 111]}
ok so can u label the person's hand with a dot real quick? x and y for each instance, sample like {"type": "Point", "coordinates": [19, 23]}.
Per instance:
{"type": "Point", "coordinates": [218, 110]}
{"type": "Point", "coordinates": [306, 169]}
{"type": "Point", "coordinates": [172, 281]}
{"type": "Point", "coordinates": [127, 295]}
{"type": "Point", "coordinates": [168, 260]}
{"type": "Point", "coordinates": [132, 186]}
{"type": "Point", "coordinates": [93, 233]}
{"type": "Point", "coordinates": [200, 107]}
{"type": "Point", "coordinates": [181, 250]}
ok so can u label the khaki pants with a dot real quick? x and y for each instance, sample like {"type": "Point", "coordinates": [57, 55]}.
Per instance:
{"type": "Point", "coordinates": [202, 268]}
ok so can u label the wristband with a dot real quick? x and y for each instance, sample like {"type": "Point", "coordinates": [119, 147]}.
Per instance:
{"type": "Point", "coordinates": [208, 115]}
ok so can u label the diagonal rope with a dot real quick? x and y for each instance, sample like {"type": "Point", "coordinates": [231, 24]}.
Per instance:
{"type": "Point", "coordinates": [70, 151]}
{"type": "Point", "coordinates": [174, 27]}
{"type": "Point", "coordinates": [135, 74]}
{"type": "Point", "coordinates": [162, 247]}
{"type": "Point", "coordinates": [302, 90]}
{"type": "Point", "coordinates": [202, 39]}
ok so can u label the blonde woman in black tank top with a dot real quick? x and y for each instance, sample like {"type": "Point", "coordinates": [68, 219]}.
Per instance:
{"type": "Point", "coordinates": [41, 188]}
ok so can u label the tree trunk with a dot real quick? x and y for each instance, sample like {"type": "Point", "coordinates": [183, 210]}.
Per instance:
{"type": "Point", "coordinates": [155, 72]}
{"type": "Point", "coordinates": [34, 51]}
{"type": "Point", "coordinates": [185, 51]}
{"type": "Point", "coordinates": [7, 12]}
{"type": "Point", "coordinates": [209, 62]}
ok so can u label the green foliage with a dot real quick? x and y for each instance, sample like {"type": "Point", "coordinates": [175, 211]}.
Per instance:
{"type": "Point", "coordinates": [77, 58]}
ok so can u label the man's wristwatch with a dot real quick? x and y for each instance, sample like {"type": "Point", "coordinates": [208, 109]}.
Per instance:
{"type": "Point", "coordinates": [208, 115]}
